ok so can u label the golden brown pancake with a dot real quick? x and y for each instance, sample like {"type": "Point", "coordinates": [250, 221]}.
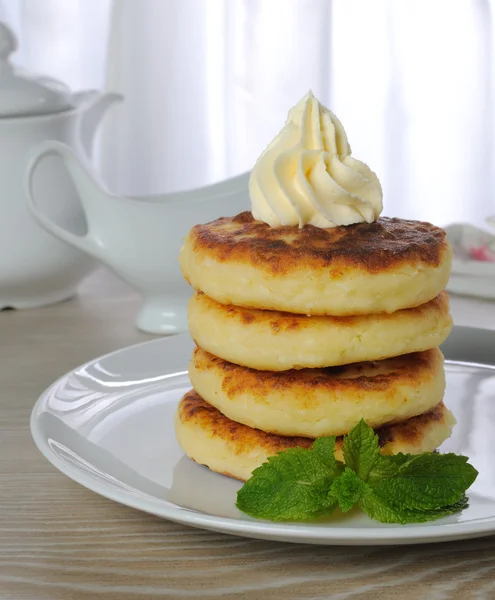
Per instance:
{"type": "Point", "coordinates": [319, 402]}
{"type": "Point", "coordinates": [360, 269]}
{"type": "Point", "coordinates": [227, 447]}
{"type": "Point", "coordinates": [277, 341]}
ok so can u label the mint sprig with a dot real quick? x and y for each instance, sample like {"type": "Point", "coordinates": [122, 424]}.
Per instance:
{"type": "Point", "coordinates": [361, 450]}
{"type": "Point", "coordinates": [300, 484]}
{"type": "Point", "coordinates": [293, 484]}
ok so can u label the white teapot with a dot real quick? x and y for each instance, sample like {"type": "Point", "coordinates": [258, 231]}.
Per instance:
{"type": "Point", "coordinates": [35, 268]}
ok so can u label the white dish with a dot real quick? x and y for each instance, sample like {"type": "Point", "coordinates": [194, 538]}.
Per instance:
{"type": "Point", "coordinates": [475, 287]}
{"type": "Point", "coordinates": [109, 426]}
{"type": "Point", "coordinates": [471, 277]}
{"type": "Point", "coordinates": [35, 268]}
{"type": "Point", "coordinates": [147, 259]}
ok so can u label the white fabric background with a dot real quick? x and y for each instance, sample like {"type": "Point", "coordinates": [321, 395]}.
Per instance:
{"type": "Point", "coordinates": [209, 82]}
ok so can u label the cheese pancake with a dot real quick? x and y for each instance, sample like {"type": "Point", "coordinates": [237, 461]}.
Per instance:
{"type": "Point", "coordinates": [227, 447]}
{"type": "Point", "coordinates": [319, 402]}
{"type": "Point", "coordinates": [277, 341]}
{"type": "Point", "coordinates": [361, 269]}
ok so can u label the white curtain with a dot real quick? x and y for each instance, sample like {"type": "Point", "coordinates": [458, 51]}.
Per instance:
{"type": "Point", "coordinates": [209, 82]}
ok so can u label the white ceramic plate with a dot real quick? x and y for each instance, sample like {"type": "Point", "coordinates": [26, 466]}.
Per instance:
{"type": "Point", "coordinates": [109, 426]}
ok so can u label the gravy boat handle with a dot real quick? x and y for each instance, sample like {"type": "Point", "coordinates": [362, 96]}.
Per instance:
{"type": "Point", "coordinates": [86, 243]}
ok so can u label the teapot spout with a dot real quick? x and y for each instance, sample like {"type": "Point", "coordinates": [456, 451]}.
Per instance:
{"type": "Point", "coordinates": [94, 106]}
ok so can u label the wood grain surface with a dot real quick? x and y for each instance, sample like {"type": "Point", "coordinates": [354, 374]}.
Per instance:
{"type": "Point", "coordinates": [60, 541]}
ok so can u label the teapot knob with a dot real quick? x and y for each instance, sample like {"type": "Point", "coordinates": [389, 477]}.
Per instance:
{"type": "Point", "coordinates": [8, 41]}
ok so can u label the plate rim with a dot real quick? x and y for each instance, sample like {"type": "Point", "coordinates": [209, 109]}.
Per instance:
{"type": "Point", "coordinates": [253, 528]}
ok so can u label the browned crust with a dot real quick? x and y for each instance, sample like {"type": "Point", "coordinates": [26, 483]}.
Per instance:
{"type": "Point", "coordinates": [411, 431]}
{"type": "Point", "coordinates": [375, 247]}
{"type": "Point", "coordinates": [349, 380]}
{"type": "Point", "coordinates": [194, 409]}
{"type": "Point", "coordinates": [241, 438]}
{"type": "Point", "coordinates": [283, 321]}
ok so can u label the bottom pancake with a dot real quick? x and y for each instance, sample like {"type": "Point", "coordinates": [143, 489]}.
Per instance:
{"type": "Point", "coordinates": [227, 447]}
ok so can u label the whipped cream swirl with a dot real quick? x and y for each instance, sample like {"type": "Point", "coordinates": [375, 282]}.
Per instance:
{"type": "Point", "coordinates": [307, 174]}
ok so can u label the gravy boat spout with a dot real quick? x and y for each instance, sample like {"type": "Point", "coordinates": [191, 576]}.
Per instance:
{"type": "Point", "coordinates": [139, 238]}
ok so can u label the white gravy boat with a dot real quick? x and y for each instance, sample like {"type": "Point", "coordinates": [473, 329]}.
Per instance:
{"type": "Point", "coordinates": [139, 239]}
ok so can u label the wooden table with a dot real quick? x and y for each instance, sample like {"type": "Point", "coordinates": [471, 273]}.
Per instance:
{"type": "Point", "coordinates": [61, 541]}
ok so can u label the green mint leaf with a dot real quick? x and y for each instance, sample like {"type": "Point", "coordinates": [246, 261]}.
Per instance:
{"type": "Point", "coordinates": [426, 482]}
{"type": "Point", "coordinates": [458, 506]}
{"type": "Point", "coordinates": [399, 459]}
{"type": "Point", "coordinates": [324, 448]}
{"type": "Point", "coordinates": [382, 469]}
{"type": "Point", "coordinates": [347, 490]}
{"type": "Point", "coordinates": [361, 450]}
{"type": "Point", "coordinates": [378, 509]}
{"type": "Point", "coordinates": [388, 466]}
{"type": "Point", "coordinates": [293, 485]}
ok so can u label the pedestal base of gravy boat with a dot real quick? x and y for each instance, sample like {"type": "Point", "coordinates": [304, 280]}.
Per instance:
{"type": "Point", "coordinates": [163, 314]}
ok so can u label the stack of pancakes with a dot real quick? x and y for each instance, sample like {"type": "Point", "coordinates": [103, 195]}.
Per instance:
{"type": "Point", "coordinates": [300, 333]}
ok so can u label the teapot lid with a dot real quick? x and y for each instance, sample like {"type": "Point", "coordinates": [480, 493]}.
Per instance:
{"type": "Point", "coordinates": [23, 94]}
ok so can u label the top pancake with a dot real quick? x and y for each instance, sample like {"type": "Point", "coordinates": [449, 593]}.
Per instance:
{"type": "Point", "coordinates": [359, 269]}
